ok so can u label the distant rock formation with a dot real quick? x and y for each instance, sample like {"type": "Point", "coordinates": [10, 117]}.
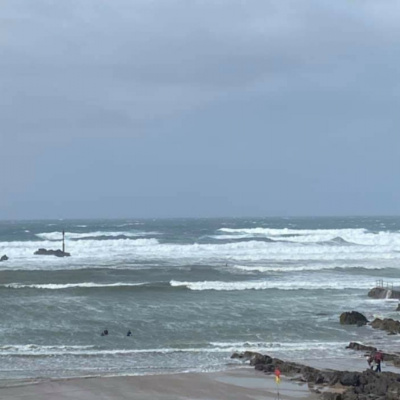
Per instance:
{"type": "Point", "coordinates": [382, 293]}
{"type": "Point", "coordinates": [4, 258]}
{"type": "Point", "coordinates": [57, 253]}
{"type": "Point", "coordinates": [353, 318]}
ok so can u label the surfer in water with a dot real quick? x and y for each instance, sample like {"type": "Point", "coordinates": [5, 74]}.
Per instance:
{"type": "Point", "coordinates": [104, 333]}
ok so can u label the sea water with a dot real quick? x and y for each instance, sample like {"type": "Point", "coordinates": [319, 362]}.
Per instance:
{"type": "Point", "coordinates": [192, 291]}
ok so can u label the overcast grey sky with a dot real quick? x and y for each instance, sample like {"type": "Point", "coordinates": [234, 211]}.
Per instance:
{"type": "Point", "coordinates": [169, 108]}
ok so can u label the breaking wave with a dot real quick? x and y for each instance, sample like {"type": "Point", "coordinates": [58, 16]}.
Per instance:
{"type": "Point", "coordinates": [340, 236]}
{"type": "Point", "coordinates": [34, 350]}
{"type": "Point", "coordinates": [283, 269]}
{"type": "Point", "coordinates": [57, 286]}
{"type": "Point", "coordinates": [265, 285]}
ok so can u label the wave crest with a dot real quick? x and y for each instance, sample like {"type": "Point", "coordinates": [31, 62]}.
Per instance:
{"type": "Point", "coordinates": [265, 285]}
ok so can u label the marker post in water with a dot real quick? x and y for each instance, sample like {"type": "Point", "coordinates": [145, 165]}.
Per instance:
{"type": "Point", "coordinates": [278, 381]}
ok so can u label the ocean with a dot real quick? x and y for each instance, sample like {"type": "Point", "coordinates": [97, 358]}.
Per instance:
{"type": "Point", "coordinates": [192, 291]}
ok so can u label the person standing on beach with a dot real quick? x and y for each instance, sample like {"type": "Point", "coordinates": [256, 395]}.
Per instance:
{"type": "Point", "coordinates": [378, 358]}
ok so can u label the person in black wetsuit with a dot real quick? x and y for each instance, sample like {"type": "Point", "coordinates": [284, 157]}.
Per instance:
{"type": "Point", "coordinates": [129, 333]}
{"type": "Point", "coordinates": [104, 333]}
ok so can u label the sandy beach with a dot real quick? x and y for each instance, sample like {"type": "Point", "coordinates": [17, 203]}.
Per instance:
{"type": "Point", "coordinates": [239, 384]}
{"type": "Point", "coordinates": [244, 383]}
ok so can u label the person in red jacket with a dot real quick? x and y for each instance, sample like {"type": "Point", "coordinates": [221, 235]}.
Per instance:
{"type": "Point", "coordinates": [378, 358]}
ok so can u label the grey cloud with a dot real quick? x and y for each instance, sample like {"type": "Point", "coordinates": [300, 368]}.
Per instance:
{"type": "Point", "coordinates": [297, 77]}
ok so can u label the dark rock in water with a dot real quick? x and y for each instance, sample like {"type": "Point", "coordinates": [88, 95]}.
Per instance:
{"type": "Point", "coordinates": [387, 324]}
{"type": "Point", "coordinates": [359, 346]}
{"type": "Point", "coordinates": [4, 258]}
{"type": "Point", "coordinates": [353, 318]}
{"type": "Point", "coordinates": [57, 253]}
{"type": "Point", "coordinates": [253, 357]}
{"type": "Point", "coordinates": [398, 307]}
{"type": "Point", "coordinates": [382, 293]}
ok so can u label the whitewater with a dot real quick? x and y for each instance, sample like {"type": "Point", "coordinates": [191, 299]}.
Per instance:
{"type": "Point", "coordinates": [192, 291]}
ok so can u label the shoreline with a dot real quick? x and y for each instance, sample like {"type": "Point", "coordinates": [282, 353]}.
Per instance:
{"type": "Point", "coordinates": [244, 383]}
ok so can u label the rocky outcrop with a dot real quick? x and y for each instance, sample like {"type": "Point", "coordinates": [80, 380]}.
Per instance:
{"type": "Point", "coordinates": [353, 318]}
{"type": "Point", "coordinates": [359, 346]}
{"type": "Point", "coordinates": [57, 253]}
{"type": "Point", "coordinates": [4, 258]}
{"type": "Point", "coordinates": [370, 351]}
{"type": "Point", "coordinates": [387, 324]}
{"type": "Point", "coordinates": [355, 385]}
{"type": "Point", "coordinates": [382, 293]}
{"type": "Point", "coordinates": [254, 358]}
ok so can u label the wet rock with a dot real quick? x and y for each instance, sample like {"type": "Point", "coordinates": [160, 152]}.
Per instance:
{"type": "Point", "coordinates": [4, 258]}
{"type": "Point", "coordinates": [359, 346]}
{"type": "Point", "coordinates": [387, 324]}
{"type": "Point", "coordinates": [350, 379]}
{"type": "Point", "coordinates": [331, 396]}
{"type": "Point", "coordinates": [57, 253]}
{"type": "Point", "coordinates": [353, 318]}
{"type": "Point", "coordinates": [382, 293]}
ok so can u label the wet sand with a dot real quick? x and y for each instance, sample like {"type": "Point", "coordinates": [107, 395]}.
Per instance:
{"type": "Point", "coordinates": [239, 384]}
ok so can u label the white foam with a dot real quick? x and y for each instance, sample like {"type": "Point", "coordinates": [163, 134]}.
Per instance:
{"type": "Point", "coordinates": [57, 286]}
{"type": "Point", "coordinates": [357, 236]}
{"type": "Point", "coordinates": [96, 253]}
{"type": "Point", "coordinates": [213, 347]}
{"type": "Point", "coordinates": [299, 268]}
{"type": "Point", "coordinates": [281, 285]}
{"type": "Point", "coordinates": [267, 346]}
{"type": "Point", "coordinates": [287, 231]}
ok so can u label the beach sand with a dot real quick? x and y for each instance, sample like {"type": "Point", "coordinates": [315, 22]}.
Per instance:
{"type": "Point", "coordinates": [244, 383]}
{"type": "Point", "coordinates": [238, 384]}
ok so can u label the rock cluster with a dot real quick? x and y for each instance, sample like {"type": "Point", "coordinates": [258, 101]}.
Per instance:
{"type": "Point", "coordinates": [57, 253]}
{"type": "Point", "coordinates": [367, 385]}
{"type": "Point", "coordinates": [355, 318]}
{"type": "Point", "coordinates": [387, 324]}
